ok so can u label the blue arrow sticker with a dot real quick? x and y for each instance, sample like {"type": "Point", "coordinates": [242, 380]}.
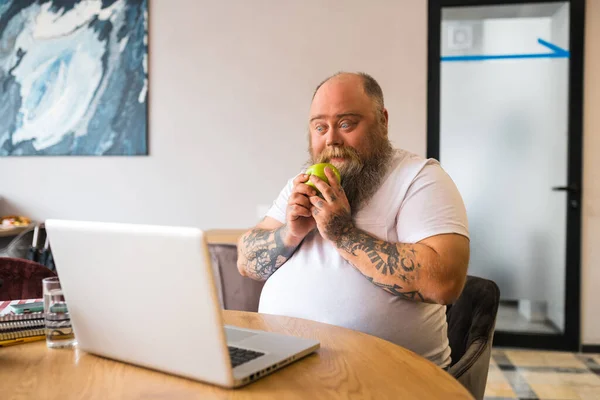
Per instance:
{"type": "Point", "coordinates": [557, 52]}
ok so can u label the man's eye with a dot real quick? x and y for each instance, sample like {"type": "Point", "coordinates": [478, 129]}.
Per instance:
{"type": "Point", "coordinates": [320, 128]}
{"type": "Point", "coordinates": [346, 124]}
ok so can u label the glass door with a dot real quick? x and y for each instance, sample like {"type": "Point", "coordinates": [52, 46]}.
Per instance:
{"type": "Point", "coordinates": [506, 135]}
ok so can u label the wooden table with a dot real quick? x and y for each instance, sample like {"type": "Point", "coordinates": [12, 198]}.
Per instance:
{"type": "Point", "coordinates": [349, 365]}
{"type": "Point", "coordinates": [224, 236]}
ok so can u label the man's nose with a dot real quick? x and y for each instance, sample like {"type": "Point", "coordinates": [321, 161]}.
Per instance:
{"type": "Point", "coordinates": [334, 138]}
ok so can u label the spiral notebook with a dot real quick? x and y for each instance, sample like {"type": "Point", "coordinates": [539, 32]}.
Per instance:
{"type": "Point", "coordinates": [27, 333]}
{"type": "Point", "coordinates": [20, 328]}
{"type": "Point", "coordinates": [6, 313]}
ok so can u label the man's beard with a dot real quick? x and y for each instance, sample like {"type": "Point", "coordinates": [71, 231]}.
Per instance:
{"type": "Point", "coordinates": [361, 174]}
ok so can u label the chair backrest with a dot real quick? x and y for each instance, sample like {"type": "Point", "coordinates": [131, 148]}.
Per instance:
{"type": "Point", "coordinates": [22, 246]}
{"type": "Point", "coordinates": [21, 279]}
{"type": "Point", "coordinates": [473, 315]}
{"type": "Point", "coordinates": [236, 291]}
{"type": "Point", "coordinates": [19, 246]}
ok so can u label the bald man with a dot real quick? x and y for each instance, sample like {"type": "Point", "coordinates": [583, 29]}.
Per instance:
{"type": "Point", "coordinates": [383, 252]}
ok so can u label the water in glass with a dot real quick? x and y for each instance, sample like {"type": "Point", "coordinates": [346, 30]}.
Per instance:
{"type": "Point", "coordinates": [59, 332]}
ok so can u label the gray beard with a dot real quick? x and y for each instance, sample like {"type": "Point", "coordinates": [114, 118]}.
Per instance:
{"type": "Point", "coordinates": [361, 179]}
{"type": "Point", "coordinates": [360, 186]}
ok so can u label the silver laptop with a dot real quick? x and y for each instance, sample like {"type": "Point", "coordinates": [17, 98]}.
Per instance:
{"type": "Point", "coordinates": [146, 295]}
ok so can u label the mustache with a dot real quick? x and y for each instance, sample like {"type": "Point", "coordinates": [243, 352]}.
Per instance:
{"type": "Point", "coordinates": [361, 173]}
{"type": "Point", "coordinates": [339, 152]}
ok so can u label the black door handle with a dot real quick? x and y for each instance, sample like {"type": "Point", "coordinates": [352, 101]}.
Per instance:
{"type": "Point", "coordinates": [571, 188]}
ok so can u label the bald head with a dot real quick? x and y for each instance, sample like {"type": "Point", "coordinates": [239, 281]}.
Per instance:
{"type": "Point", "coordinates": [360, 81]}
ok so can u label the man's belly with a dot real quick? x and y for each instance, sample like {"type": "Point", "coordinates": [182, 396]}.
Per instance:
{"type": "Point", "coordinates": [340, 295]}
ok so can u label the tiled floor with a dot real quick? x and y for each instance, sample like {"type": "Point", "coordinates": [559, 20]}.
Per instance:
{"type": "Point", "coordinates": [510, 320]}
{"type": "Point", "coordinates": [543, 375]}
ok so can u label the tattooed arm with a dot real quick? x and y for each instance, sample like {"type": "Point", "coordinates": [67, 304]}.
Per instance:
{"type": "Point", "coordinates": [433, 270]}
{"type": "Point", "coordinates": [265, 248]}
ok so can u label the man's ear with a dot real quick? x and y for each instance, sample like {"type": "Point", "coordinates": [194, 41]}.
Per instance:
{"type": "Point", "coordinates": [385, 116]}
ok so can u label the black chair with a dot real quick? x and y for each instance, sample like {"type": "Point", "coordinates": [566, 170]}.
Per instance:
{"type": "Point", "coordinates": [471, 323]}
{"type": "Point", "coordinates": [23, 246]}
{"type": "Point", "coordinates": [20, 246]}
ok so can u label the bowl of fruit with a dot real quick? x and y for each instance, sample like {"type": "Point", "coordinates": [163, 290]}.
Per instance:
{"type": "Point", "coordinates": [14, 221]}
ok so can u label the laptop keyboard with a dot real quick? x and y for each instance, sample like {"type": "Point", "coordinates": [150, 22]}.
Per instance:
{"type": "Point", "coordinates": [240, 356]}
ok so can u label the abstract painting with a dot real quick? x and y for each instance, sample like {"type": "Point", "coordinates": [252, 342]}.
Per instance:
{"type": "Point", "coordinates": [73, 77]}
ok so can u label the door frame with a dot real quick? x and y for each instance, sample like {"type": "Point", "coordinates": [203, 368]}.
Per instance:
{"type": "Point", "coordinates": [570, 340]}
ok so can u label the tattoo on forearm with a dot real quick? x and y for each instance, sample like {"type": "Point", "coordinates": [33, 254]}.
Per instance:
{"type": "Point", "coordinates": [398, 290]}
{"type": "Point", "coordinates": [389, 259]}
{"type": "Point", "coordinates": [265, 251]}
{"type": "Point", "coordinates": [339, 225]}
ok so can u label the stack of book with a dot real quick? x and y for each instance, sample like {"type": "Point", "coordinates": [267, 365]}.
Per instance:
{"type": "Point", "coordinates": [20, 323]}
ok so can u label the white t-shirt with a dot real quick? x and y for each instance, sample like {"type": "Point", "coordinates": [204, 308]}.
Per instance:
{"type": "Point", "coordinates": [416, 200]}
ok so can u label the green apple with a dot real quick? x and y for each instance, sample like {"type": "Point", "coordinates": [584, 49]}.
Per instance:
{"type": "Point", "coordinates": [319, 170]}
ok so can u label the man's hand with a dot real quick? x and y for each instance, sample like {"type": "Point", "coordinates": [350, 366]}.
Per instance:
{"type": "Point", "coordinates": [332, 212]}
{"type": "Point", "coordinates": [299, 218]}
{"type": "Point", "coordinates": [268, 246]}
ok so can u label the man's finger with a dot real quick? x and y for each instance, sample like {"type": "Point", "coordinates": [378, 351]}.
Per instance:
{"type": "Point", "coordinates": [300, 179]}
{"type": "Point", "coordinates": [305, 189]}
{"type": "Point", "coordinates": [317, 202]}
{"type": "Point", "coordinates": [299, 199]}
{"type": "Point", "coordinates": [332, 178]}
{"type": "Point", "coordinates": [324, 188]}
{"type": "Point", "coordinates": [298, 211]}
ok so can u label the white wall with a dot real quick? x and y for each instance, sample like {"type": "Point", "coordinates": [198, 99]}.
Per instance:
{"type": "Point", "coordinates": [230, 87]}
{"type": "Point", "coordinates": [590, 256]}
